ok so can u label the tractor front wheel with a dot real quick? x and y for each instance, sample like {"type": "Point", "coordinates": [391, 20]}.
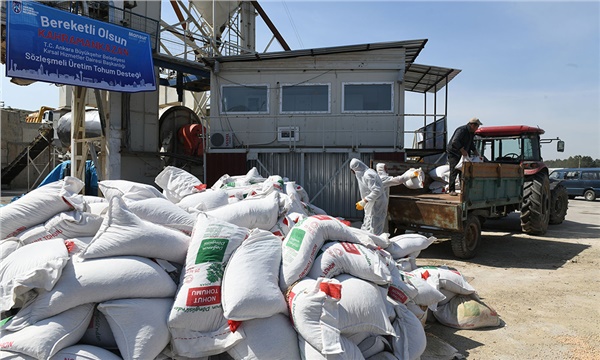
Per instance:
{"type": "Point", "coordinates": [559, 205]}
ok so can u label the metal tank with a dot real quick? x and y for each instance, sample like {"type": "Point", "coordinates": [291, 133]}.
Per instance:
{"type": "Point", "coordinates": [93, 127]}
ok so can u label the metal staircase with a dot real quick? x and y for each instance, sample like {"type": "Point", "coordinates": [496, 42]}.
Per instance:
{"type": "Point", "coordinates": [31, 151]}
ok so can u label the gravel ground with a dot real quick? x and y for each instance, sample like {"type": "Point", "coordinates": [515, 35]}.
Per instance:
{"type": "Point", "coordinates": [546, 289]}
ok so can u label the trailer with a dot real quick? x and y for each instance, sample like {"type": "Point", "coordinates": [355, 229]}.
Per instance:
{"type": "Point", "coordinates": [487, 190]}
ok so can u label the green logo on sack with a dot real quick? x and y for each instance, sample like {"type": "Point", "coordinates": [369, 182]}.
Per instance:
{"type": "Point", "coordinates": [211, 250]}
{"type": "Point", "coordinates": [295, 239]}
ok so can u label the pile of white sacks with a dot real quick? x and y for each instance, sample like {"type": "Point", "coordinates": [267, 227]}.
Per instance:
{"type": "Point", "coordinates": [247, 269]}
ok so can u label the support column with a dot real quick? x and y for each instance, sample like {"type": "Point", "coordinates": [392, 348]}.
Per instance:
{"type": "Point", "coordinates": [79, 148]}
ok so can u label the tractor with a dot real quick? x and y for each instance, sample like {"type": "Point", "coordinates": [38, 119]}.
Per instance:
{"type": "Point", "coordinates": [543, 202]}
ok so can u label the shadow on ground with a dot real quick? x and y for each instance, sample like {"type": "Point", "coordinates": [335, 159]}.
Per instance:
{"type": "Point", "coordinates": [503, 245]}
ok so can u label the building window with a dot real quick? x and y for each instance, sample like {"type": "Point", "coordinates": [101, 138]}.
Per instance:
{"type": "Point", "coordinates": [306, 98]}
{"type": "Point", "coordinates": [245, 99]}
{"type": "Point", "coordinates": [372, 97]}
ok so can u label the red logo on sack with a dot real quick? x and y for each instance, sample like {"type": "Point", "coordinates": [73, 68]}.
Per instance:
{"type": "Point", "coordinates": [350, 248]}
{"type": "Point", "coordinates": [397, 294]}
{"type": "Point", "coordinates": [322, 217]}
{"type": "Point", "coordinates": [204, 296]}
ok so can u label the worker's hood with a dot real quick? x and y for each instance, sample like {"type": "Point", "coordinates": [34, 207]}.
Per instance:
{"type": "Point", "coordinates": [357, 165]}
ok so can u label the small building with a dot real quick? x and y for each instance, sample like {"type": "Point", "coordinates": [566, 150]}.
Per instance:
{"type": "Point", "coordinates": [304, 114]}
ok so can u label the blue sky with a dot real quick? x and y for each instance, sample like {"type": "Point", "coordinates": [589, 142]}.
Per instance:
{"type": "Point", "coordinates": [534, 63]}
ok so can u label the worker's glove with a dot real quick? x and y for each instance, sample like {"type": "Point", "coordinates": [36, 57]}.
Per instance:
{"type": "Point", "coordinates": [361, 205]}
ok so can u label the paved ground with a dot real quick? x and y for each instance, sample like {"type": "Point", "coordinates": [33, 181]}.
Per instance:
{"type": "Point", "coordinates": [546, 289]}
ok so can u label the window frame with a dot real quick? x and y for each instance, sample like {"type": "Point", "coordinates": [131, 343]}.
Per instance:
{"type": "Point", "coordinates": [328, 111]}
{"type": "Point", "coordinates": [392, 105]}
{"type": "Point", "coordinates": [222, 97]}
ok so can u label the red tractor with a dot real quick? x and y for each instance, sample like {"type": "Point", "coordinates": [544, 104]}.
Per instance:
{"type": "Point", "coordinates": [544, 202]}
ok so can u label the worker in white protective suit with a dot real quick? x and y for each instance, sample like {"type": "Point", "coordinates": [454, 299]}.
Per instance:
{"type": "Point", "coordinates": [389, 181]}
{"type": "Point", "coordinates": [372, 201]}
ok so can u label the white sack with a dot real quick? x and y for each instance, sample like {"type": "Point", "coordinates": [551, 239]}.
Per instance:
{"type": "Point", "coordinates": [369, 239]}
{"type": "Point", "coordinates": [417, 182]}
{"type": "Point", "coordinates": [124, 233]}
{"type": "Point", "coordinates": [163, 212]}
{"type": "Point", "coordinates": [283, 226]}
{"type": "Point", "coordinates": [139, 325]}
{"type": "Point", "coordinates": [467, 312]}
{"type": "Point", "coordinates": [428, 293]}
{"type": "Point", "coordinates": [450, 278]}
{"type": "Point", "coordinates": [250, 287]}
{"type": "Point", "coordinates": [196, 319]}
{"type": "Point", "coordinates": [440, 173]}
{"type": "Point", "coordinates": [65, 225]}
{"type": "Point", "coordinates": [84, 352]}
{"type": "Point", "coordinates": [205, 200]}
{"type": "Point", "coordinates": [99, 332]}
{"type": "Point", "coordinates": [128, 190]}
{"type": "Point", "coordinates": [250, 213]}
{"type": "Point", "coordinates": [190, 344]}
{"type": "Point", "coordinates": [405, 244]}
{"type": "Point", "coordinates": [411, 340]}
{"type": "Point", "coordinates": [438, 187]}
{"type": "Point", "coordinates": [301, 245]}
{"type": "Point", "coordinates": [349, 351]}
{"type": "Point", "coordinates": [355, 259]}
{"type": "Point", "coordinates": [373, 345]}
{"type": "Point", "coordinates": [314, 310]}
{"type": "Point", "coordinates": [95, 281]}
{"type": "Point", "coordinates": [177, 183]}
{"type": "Point", "coordinates": [401, 290]}
{"type": "Point", "coordinates": [467, 159]}
{"type": "Point", "coordinates": [36, 266]}
{"type": "Point", "coordinates": [271, 338]}
{"type": "Point", "coordinates": [39, 205]}
{"type": "Point", "coordinates": [322, 310]}
{"type": "Point", "coordinates": [363, 307]}
{"type": "Point", "coordinates": [8, 246]}
{"type": "Point", "coordinates": [46, 337]}
{"type": "Point", "coordinates": [384, 355]}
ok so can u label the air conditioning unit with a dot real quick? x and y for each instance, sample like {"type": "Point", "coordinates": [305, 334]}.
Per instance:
{"type": "Point", "coordinates": [221, 140]}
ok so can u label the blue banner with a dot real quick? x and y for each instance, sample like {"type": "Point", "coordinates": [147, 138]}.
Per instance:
{"type": "Point", "coordinates": [51, 45]}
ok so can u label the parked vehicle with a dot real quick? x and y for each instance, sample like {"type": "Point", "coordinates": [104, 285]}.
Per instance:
{"type": "Point", "coordinates": [579, 181]}
{"type": "Point", "coordinates": [512, 177]}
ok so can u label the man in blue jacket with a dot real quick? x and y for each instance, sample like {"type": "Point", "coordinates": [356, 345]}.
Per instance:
{"type": "Point", "coordinates": [461, 144]}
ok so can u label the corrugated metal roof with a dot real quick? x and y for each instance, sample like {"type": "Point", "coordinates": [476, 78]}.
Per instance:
{"type": "Point", "coordinates": [427, 78]}
{"type": "Point", "coordinates": [413, 48]}
{"type": "Point", "coordinates": [418, 78]}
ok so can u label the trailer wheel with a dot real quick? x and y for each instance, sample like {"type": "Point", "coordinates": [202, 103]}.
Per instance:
{"type": "Point", "coordinates": [535, 211]}
{"type": "Point", "coordinates": [465, 244]}
{"type": "Point", "coordinates": [589, 195]}
{"type": "Point", "coordinates": [560, 204]}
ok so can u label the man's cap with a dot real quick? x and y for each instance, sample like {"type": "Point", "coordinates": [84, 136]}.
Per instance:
{"type": "Point", "coordinates": [475, 121]}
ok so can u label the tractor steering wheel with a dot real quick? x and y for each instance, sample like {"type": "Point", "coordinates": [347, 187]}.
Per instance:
{"type": "Point", "coordinates": [511, 156]}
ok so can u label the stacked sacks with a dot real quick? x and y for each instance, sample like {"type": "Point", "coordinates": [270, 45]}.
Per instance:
{"type": "Point", "coordinates": [186, 273]}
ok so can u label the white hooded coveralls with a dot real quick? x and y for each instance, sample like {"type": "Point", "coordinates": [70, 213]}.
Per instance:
{"type": "Point", "coordinates": [371, 190]}
{"type": "Point", "coordinates": [388, 181]}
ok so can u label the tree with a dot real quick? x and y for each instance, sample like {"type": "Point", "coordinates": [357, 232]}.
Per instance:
{"type": "Point", "coordinates": [574, 162]}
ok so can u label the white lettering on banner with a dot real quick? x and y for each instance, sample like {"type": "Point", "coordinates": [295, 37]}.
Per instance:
{"type": "Point", "coordinates": [80, 66]}
{"type": "Point", "coordinates": [102, 70]}
{"type": "Point", "coordinates": [68, 25]}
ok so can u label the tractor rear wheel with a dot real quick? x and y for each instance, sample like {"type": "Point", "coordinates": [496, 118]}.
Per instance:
{"type": "Point", "coordinates": [535, 210]}
{"type": "Point", "coordinates": [559, 204]}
